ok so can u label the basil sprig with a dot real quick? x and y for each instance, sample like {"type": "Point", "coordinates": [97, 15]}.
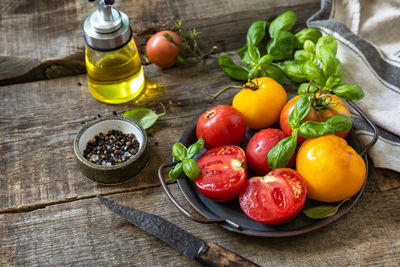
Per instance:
{"type": "Point", "coordinates": [317, 64]}
{"type": "Point", "coordinates": [186, 164]}
{"type": "Point", "coordinates": [280, 154]}
{"type": "Point", "coordinates": [256, 64]}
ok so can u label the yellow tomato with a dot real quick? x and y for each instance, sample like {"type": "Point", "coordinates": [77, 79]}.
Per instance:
{"type": "Point", "coordinates": [260, 105]}
{"type": "Point", "coordinates": [332, 169]}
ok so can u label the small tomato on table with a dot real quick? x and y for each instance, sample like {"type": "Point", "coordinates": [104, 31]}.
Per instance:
{"type": "Point", "coordinates": [163, 48]}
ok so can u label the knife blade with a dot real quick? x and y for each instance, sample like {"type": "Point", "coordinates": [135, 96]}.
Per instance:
{"type": "Point", "coordinates": [207, 253]}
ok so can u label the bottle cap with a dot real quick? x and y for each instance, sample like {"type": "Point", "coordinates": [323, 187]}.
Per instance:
{"type": "Point", "coordinates": [107, 29]}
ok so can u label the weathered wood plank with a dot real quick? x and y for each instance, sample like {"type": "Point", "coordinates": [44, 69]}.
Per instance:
{"type": "Point", "coordinates": [43, 39]}
{"type": "Point", "coordinates": [38, 122]}
{"type": "Point", "coordinates": [86, 233]}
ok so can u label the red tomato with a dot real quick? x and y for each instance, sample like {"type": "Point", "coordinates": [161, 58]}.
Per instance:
{"type": "Point", "coordinates": [258, 148]}
{"type": "Point", "coordinates": [275, 198]}
{"type": "Point", "coordinates": [313, 115]}
{"type": "Point", "coordinates": [221, 125]}
{"type": "Point", "coordinates": [223, 172]}
{"type": "Point", "coordinates": [163, 52]}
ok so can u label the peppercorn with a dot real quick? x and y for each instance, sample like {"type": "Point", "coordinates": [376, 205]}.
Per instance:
{"type": "Point", "coordinates": [111, 148]}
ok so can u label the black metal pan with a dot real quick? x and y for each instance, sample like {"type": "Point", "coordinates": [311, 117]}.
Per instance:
{"type": "Point", "coordinates": [230, 216]}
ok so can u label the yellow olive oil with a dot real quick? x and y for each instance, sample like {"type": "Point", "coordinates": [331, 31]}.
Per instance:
{"type": "Point", "coordinates": [115, 77]}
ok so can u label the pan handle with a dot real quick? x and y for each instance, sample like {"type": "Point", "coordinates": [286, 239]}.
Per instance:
{"type": "Point", "coordinates": [182, 209]}
{"type": "Point", "coordinates": [369, 121]}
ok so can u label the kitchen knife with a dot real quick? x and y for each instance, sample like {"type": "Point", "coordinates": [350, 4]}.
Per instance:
{"type": "Point", "coordinates": [207, 253]}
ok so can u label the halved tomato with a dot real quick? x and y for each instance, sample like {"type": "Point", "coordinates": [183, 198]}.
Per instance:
{"type": "Point", "coordinates": [275, 198]}
{"type": "Point", "coordinates": [223, 172]}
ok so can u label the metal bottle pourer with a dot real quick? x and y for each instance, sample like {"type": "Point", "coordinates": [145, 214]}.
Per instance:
{"type": "Point", "coordinates": [107, 29]}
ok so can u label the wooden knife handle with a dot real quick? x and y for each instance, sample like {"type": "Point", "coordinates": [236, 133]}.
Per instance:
{"type": "Point", "coordinates": [214, 255]}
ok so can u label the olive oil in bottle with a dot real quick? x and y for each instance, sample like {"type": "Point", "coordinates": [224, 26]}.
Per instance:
{"type": "Point", "coordinates": [115, 74]}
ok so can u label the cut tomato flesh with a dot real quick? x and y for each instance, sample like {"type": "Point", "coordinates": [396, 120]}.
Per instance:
{"type": "Point", "coordinates": [222, 173]}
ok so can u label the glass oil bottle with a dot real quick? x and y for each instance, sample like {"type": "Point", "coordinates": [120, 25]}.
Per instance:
{"type": "Point", "coordinates": [115, 74]}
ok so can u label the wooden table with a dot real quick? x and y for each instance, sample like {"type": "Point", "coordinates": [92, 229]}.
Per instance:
{"type": "Point", "coordinates": [48, 211]}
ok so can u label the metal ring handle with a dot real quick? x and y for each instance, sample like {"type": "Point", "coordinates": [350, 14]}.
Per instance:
{"type": "Point", "coordinates": [182, 209]}
{"type": "Point", "coordinates": [373, 126]}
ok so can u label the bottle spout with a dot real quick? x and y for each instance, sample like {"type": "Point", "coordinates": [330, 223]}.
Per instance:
{"type": "Point", "coordinates": [105, 19]}
{"type": "Point", "coordinates": [106, 28]}
{"type": "Point", "coordinates": [104, 8]}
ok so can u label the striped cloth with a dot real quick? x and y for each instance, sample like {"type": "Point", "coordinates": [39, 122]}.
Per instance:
{"type": "Point", "coordinates": [368, 34]}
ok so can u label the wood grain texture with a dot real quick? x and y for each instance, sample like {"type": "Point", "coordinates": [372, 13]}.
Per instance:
{"type": "Point", "coordinates": [48, 211]}
{"type": "Point", "coordinates": [39, 121]}
{"type": "Point", "coordinates": [86, 233]}
{"type": "Point", "coordinates": [44, 39]}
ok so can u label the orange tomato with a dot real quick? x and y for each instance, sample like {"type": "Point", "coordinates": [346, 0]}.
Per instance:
{"type": "Point", "coordinates": [261, 106]}
{"type": "Point", "coordinates": [314, 115]}
{"type": "Point", "coordinates": [332, 169]}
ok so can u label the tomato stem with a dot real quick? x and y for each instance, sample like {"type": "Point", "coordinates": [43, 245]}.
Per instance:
{"type": "Point", "coordinates": [164, 110]}
{"type": "Point", "coordinates": [222, 91]}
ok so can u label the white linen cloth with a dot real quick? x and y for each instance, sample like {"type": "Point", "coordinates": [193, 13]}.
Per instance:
{"type": "Point", "coordinates": [368, 34]}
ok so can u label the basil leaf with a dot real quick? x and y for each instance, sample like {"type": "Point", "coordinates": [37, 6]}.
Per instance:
{"type": "Point", "coordinates": [309, 46]}
{"type": "Point", "coordinates": [335, 124]}
{"type": "Point", "coordinates": [144, 116]}
{"type": "Point", "coordinates": [195, 148]}
{"type": "Point", "coordinates": [349, 91]}
{"type": "Point", "coordinates": [284, 22]}
{"type": "Point", "coordinates": [304, 87]}
{"type": "Point", "coordinates": [175, 172]}
{"type": "Point", "coordinates": [329, 41]}
{"type": "Point", "coordinates": [231, 69]}
{"type": "Point", "coordinates": [324, 54]}
{"type": "Point", "coordinates": [280, 154]}
{"type": "Point", "coordinates": [281, 46]}
{"type": "Point", "coordinates": [338, 67]}
{"type": "Point", "coordinates": [179, 151]}
{"type": "Point", "coordinates": [323, 211]}
{"type": "Point", "coordinates": [254, 72]}
{"type": "Point", "coordinates": [311, 129]}
{"type": "Point", "coordinates": [333, 80]}
{"type": "Point", "coordinates": [265, 60]}
{"type": "Point", "coordinates": [191, 169]}
{"type": "Point", "coordinates": [249, 55]}
{"type": "Point", "coordinates": [300, 111]}
{"type": "Point", "coordinates": [244, 56]}
{"type": "Point", "coordinates": [312, 71]}
{"type": "Point", "coordinates": [302, 56]}
{"type": "Point", "coordinates": [274, 73]}
{"type": "Point", "coordinates": [306, 34]}
{"type": "Point", "coordinates": [293, 71]}
{"type": "Point", "coordinates": [254, 53]}
{"type": "Point", "coordinates": [256, 32]}
{"type": "Point", "coordinates": [339, 122]}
